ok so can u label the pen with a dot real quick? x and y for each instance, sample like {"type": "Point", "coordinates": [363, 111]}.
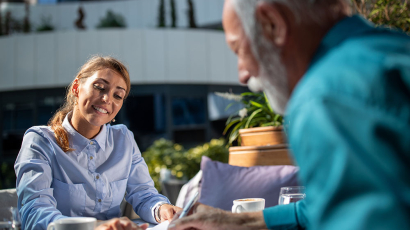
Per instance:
{"type": "Point", "coordinates": [188, 207]}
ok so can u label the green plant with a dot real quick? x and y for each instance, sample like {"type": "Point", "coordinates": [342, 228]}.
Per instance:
{"type": "Point", "coordinates": [256, 112]}
{"type": "Point", "coordinates": [1, 21]}
{"type": "Point", "coordinates": [392, 13]}
{"type": "Point", "coordinates": [26, 21]}
{"type": "Point", "coordinates": [216, 150]}
{"type": "Point", "coordinates": [191, 14]}
{"type": "Point", "coordinates": [164, 154]}
{"type": "Point", "coordinates": [112, 19]}
{"type": "Point", "coordinates": [161, 14]}
{"type": "Point", "coordinates": [45, 24]}
{"type": "Point", "coordinates": [173, 14]}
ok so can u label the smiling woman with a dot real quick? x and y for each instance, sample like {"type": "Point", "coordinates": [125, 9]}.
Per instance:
{"type": "Point", "coordinates": [80, 165]}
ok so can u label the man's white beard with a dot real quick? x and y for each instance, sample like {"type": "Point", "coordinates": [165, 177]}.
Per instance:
{"type": "Point", "coordinates": [272, 79]}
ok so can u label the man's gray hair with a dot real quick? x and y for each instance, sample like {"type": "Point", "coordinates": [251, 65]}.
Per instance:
{"type": "Point", "coordinates": [304, 11]}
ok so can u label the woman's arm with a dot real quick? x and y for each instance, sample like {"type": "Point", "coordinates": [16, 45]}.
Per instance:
{"type": "Point", "coordinates": [36, 203]}
{"type": "Point", "coordinates": [141, 193]}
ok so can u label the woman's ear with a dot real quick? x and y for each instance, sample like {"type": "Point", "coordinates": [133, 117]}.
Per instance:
{"type": "Point", "coordinates": [273, 22]}
{"type": "Point", "coordinates": [74, 89]}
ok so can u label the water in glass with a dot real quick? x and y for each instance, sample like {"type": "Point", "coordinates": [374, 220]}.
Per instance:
{"type": "Point", "coordinates": [290, 198]}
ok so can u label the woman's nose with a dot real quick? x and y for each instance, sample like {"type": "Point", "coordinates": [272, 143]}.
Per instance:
{"type": "Point", "coordinates": [106, 98]}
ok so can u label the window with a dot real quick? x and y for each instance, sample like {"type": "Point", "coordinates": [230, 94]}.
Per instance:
{"type": "Point", "coordinates": [188, 111]}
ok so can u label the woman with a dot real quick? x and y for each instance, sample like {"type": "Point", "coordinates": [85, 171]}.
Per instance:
{"type": "Point", "coordinates": [80, 166]}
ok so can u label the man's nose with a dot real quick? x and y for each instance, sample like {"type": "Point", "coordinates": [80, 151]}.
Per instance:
{"type": "Point", "coordinates": [244, 74]}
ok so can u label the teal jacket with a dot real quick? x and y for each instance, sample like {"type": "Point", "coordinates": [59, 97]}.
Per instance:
{"type": "Point", "coordinates": [348, 125]}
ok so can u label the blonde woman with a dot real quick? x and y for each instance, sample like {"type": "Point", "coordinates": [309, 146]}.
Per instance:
{"type": "Point", "coordinates": [79, 165]}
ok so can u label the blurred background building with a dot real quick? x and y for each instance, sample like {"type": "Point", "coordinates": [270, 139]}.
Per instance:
{"type": "Point", "coordinates": [175, 51]}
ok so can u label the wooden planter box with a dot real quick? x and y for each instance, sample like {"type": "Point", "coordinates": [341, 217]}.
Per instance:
{"type": "Point", "coordinates": [247, 156]}
{"type": "Point", "coordinates": [260, 146]}
{"type": "Point", "coordinates": [262, 136]}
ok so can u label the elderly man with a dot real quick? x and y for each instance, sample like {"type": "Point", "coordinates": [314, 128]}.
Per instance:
{"type": "Point", "coordinates": [348, 117]}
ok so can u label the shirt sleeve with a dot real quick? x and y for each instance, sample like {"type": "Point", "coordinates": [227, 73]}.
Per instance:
{"type": "Point", "coordinates": [353, 162]}
{"type": "Point", "coordinates": [141, 193]}
{"type": "Point", "coordinates": [36, 203]}
{"type": "Point", "coordinates": [290, 217]}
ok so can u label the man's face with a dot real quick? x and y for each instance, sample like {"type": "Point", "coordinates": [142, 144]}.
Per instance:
{"type": "Point", "coordinates": [264, 70]}
{"type": "Point", "coordinates": [239, 43]}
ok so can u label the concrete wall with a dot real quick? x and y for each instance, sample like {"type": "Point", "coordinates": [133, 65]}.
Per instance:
{"type": "Point", "coordinates": [137, 13]}
{"type": "Point", "coordinates": [52, 59]}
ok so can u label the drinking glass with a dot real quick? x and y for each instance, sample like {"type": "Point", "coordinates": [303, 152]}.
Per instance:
{"type": "Point", "coordinates": [291, 194]}
{"type": "Point", "coordinates": [10, 219]}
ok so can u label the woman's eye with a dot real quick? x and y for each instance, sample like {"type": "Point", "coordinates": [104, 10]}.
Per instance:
{"type": "Point", "coordinates": [98, 87]}
{"type": "Point", "coordinates": [118, 97]}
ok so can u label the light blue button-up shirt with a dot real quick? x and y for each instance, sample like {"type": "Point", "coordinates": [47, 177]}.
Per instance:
{"type": "Point", "coordinates": [89, 181]}
{"type": "Point", "coordinates": [349, 131]}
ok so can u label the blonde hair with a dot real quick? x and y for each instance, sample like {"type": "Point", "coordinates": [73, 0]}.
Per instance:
{"type": "Point", "coordinates": [93, 65]}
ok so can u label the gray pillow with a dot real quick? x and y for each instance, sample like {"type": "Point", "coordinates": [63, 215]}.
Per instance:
{"type": "Point", "coordinates": [223, 183]}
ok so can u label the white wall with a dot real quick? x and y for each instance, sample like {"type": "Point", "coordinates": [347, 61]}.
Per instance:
{"type": "Point", "coordinates": [137, 13]}
{"type": "Point", "coordinates": [156, 56]}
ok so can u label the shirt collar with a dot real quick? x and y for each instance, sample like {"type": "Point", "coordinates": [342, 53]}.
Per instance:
{"type": "Point", "coordinates": [346, 28]}
{"type": "Point", "coordinates": [78, 141]}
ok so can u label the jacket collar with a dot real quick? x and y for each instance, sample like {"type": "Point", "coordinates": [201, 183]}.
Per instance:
{"type": "Point", "coordinates": [343, 30]}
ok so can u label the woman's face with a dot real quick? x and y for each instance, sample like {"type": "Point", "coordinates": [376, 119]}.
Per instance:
{"type": "Point", "coordinates": [100, 97]}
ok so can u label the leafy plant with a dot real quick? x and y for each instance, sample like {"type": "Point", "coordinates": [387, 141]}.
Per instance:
{"type": "Point", "coordinates": [173, 14]}
{"type": "Point", "coordinates": [191, 14]}
{"type": "Point", "coordinates": [112, 19]}
{"type": "Point", "coordinates": [161, 14]}
{"type": "Point", "coordinates": [256, 113]}
{"type": "Point", "coordinates": [392, 13]}
{"type": "Point", "coordinates": [164, 154]}
{"type": "Point", "coordinates": [45, 24]}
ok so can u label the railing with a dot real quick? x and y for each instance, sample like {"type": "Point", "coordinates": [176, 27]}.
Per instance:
{"type": "Point", "coordinates": [137, 13]}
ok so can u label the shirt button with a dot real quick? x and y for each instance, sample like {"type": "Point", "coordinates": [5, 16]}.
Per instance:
{"type": "Point", "coordinates": [97, 177]}
{"type": "Point", "coordinates": [99, 200]}
{"type": "Point", "coordinates": [91, 158]}
{"type": "Point", "coordinates": [91, 142]}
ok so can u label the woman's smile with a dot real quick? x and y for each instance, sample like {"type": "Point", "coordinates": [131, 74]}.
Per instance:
{"type": "Point", "coordinates": [100, 109]}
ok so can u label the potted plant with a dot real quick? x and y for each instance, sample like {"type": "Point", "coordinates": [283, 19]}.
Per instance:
{"type": "Point", "coordinates": [256, 124]}
{"type": "Point", "coordinates": [258, 130]}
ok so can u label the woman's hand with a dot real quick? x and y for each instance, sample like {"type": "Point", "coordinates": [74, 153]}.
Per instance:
{"type": "Point", "coordinates": [167, 212]}
{"type": "Point", "coordinates": [122, 223]}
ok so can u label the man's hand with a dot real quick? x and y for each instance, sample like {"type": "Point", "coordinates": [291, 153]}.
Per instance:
{"type": "Point", "coordinates": [122, 223]}
{"type": "Point", "coordinates": [167, 212]}
{"type": "Point", "coordinates": [206, 217]}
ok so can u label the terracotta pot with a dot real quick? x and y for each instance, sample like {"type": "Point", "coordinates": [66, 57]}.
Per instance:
{"type": "Point", "coordinates": [247, 156]}
{"type": "Point", "coordinates": [261, 136]}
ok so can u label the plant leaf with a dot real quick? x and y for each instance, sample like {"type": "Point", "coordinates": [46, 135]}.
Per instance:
{"type": "Point", "coordinates": [251, 117]}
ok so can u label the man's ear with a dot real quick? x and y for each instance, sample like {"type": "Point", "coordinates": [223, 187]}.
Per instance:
{"type": "Point", "coordinates": [274, 25]}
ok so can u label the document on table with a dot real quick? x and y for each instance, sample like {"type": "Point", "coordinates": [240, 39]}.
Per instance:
{"type": "Point", "coordinates": [161, 226]}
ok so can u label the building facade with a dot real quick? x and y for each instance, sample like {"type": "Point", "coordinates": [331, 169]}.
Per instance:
{"type": "Point", "coordinates": [174, 71]}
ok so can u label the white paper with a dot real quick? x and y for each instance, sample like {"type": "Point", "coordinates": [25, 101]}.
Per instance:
{"type": "Point", "coordinates": [161, 226]}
